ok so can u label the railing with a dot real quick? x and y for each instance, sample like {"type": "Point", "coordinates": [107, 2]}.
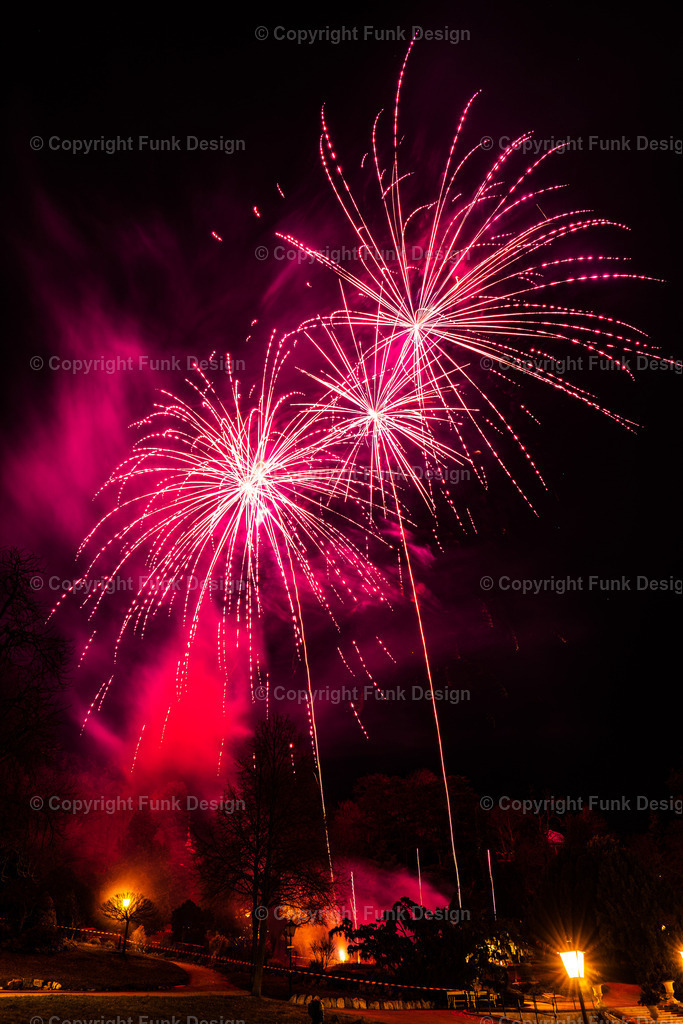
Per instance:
{"type": "Point", "coordinates": [484, 1001]}
{"type": "Point", "coordinates": [193, 954]}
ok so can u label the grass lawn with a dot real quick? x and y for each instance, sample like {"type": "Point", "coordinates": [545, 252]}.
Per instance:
{"type": "Point", "coordinates": [90, 967]}
{"type": "Point", "coordinates": [274, 985]}
{"type": "Point", "coordinates": [186, 1009]}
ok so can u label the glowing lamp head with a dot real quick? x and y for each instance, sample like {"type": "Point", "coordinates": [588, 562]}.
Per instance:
{"type": "Point", "coordinates": [342, 956]}
{"type": "Point", "coordinates": [573, 963]}
{"type": "Point", "coordinates": [125, 903]}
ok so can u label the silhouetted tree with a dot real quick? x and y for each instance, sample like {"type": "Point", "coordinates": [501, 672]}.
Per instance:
{"type": "Point", "coordinates": [389, 816]}
{"type": "Point", "coordinates": [128, 907]}
{"type": "Point", "coordinates": [411, 945]}
{"type": "Point", "coordinates": [266, 848]}
{"type": "Point", "coordinates": [189, 923]}
{"type": "Point", "coordinates": [323, 951]}
{"type": "Point", "coordinates": [33, 663]}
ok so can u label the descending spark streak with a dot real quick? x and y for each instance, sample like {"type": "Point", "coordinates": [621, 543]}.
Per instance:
{"type": "Point", "coordinates": [362, 727]}
{"type": "Point", "coordinates": [493, 891]}
{"type": "Point", "coordinates": [476, 285]}
{"type": "Point", "coordinates": [354, 909]}
{"type": "Point", "coordinates": [94, 705]}
{"type": "Point", "coordinates": [373, 401]}
{"type": "Point", "coordinates": [86, 647]}
{"type": "Point", "coordinates": [163, 731]}
{"type": "Point", "coordinates": [210, 491]}
{"type": "Point", "coordinates": [430, 679]}
{"type": "Point", "coordinates": [137, 750]}
{"type": "Point", "coordinates": [386, 651]}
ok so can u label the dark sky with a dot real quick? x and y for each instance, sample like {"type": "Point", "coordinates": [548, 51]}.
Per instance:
{"type": "Point", "coordinates": [568, 693]}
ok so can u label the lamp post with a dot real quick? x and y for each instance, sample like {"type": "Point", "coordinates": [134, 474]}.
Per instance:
{"type": "Point", "coordinates": [669, 986]}
{"type": "Point", "coordinates": [573, 965]}
{"type": "Point", "coordinates": [289, 930]}
{"type": "Point", "coordinates": [125, 903]}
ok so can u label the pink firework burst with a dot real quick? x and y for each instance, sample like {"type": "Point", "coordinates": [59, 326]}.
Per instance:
{"type": "Point", "coordinates": [386, 427]}
{"type": "Point", "coordinates": [475, 303]}
{"type": "Point", "coordinates": [215, 493]}
{"type": "Point", "coordinates": [210, 493]}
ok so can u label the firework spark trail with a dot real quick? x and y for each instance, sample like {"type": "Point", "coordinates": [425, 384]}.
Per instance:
{"type": "Point", "coordinates": [137, 749]}
{"type": "Point", "coordinates": [97, 701]}
{"type": "Point", "coordinates": [163, 730]}
{"type": "Point", "coordinates": [374, 402]}
{"type": "Point", "coordinates": [423, 639]}
{"type": "Point", "coordinates": [86, 646]}
{"type": "Point", "coordinates": [386, 650]}
{"type": "Point", "coordinates": [217, 490]}
{"type": "Point", "coordinates": [476, 288]}
{"type": "Point", "coordinates": [358, 719]}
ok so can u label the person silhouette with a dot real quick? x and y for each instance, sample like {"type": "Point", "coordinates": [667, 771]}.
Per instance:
{"type": "Point", "coordinates": [315, 1010]}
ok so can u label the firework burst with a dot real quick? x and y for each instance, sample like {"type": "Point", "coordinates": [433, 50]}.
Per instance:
{"type": "Point", "coordinates": [461, 288]}
{"type": "Point", "coordinates": [210, 493]}
{"type": "Point", "coordinates": [384, 426]}
{"type": "Point", "coordinates": [213, 494]}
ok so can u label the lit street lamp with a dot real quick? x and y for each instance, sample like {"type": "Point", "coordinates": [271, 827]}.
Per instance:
{"type": "Point", "coordinates": [669, 986]}
{"type": "Point", "coordinates": [125, 904]}
{"type": "Point", "coordinates": [130, 906]}
{"type": "Point", "coordinates": [573, 965]}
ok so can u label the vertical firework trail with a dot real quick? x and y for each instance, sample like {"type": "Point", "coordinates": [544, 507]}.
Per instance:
{"type": "Point", "coordinates": [493, 891]}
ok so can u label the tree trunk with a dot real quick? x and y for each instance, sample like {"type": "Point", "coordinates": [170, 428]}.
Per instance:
{"type": "Point", "coordinates": [257, 979]}
{"type": "Point", "coordinates": [255, 926]}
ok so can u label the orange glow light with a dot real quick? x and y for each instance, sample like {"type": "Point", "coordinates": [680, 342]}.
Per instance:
{"type": "Point", "coordinates": [573, 963]}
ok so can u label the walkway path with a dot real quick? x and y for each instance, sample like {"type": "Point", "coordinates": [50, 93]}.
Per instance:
{"type": "Point", "coordinates": [200, 979]}
{"type": "Point", "coordinates": [204, 979]}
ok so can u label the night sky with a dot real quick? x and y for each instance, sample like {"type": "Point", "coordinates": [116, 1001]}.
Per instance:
{"type": "Point", "coordinates": [113, 254]}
